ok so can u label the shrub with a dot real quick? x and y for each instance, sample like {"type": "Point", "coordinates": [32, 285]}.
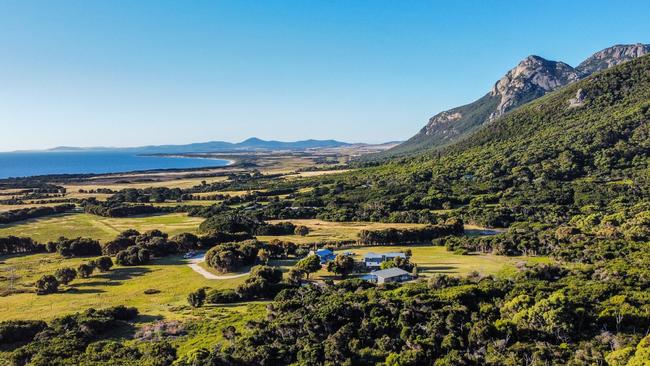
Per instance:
{"type": "Point", "coordinates": [65, 275]}
{"type": "Point", "coordinates": [103, 264]}
{"type": "Point", "coordinates": [20, 330]}
{"type": "Point", "coordinates": [47, 284]}
{"type": "Point", "coordinates": [222, 296]}
{"type": "Point", "coordinates": [85, 270]}
{"type": "Point", "coordinates": [196, 299]}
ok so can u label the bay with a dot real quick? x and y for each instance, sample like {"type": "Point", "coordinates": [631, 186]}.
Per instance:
{"type": "Point", "coordinates": [25, 164]}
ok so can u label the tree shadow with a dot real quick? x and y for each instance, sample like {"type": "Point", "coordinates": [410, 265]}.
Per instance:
{"type": "Point", "coordinates": [123, 273]}
{"type": "Point", "coordinates": [76, 290]}
{"type": "Point", "coordinates": [95, 283]}
{"type": "Point", "coordinates": [146, 318]}
{"type": "Point", "coordinates": [36, 219]}
{"type": "Point", "coordinates": [438, 268]}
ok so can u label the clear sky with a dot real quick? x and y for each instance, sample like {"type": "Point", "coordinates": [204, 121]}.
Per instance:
{"type": "Point", "coordinates": [124, 73]}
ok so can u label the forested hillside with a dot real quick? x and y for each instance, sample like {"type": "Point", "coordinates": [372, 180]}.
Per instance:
{"type": "Point", "coordinates": [566, 177]}
{"type": "Point", "coordinates": [572, 175]}
{"type": "Point", "coordinates": [532, 78]}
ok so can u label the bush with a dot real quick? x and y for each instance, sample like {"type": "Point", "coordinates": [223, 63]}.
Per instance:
{"type": "Point", "coordinates": [222, 296]}
{"type": "Point", "coordinates": [229, 257]}
{"type": "Point", "coordinates": [65, 275]}
{"type": "Point", "coordinates": [196, 299]}
{"type": "Point", "coordinates": [133, 256]}
{"type": "Point", "coordinates": [47, 284]}
{"type": "Point", "coordinates": [20, 330]}
{"type": "Point", "coordinates": [85, 270]}
{"type": "Point", "coordinates": [103, 264]}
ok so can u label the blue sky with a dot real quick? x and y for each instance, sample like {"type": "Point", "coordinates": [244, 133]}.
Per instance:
{"type": "Point", "coordinates": [124, 73]}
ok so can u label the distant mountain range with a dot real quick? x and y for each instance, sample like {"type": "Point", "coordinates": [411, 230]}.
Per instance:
{"type": "Point", "coordinates": [532, 78]}
{"type": "Point", "coordinates": [252, 143]}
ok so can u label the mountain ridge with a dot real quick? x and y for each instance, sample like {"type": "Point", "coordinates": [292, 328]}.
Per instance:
{"type": "Point", "coordinates": [252, 143]}
{"type": "Point", "coordinates": [533, 77]}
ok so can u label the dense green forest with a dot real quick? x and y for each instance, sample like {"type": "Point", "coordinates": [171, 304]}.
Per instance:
{"type": "Point", "coordinates": [567, 180]}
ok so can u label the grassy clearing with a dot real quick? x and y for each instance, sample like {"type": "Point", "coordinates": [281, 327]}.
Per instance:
{"type": "Point", "coordinates": [97, 227]}
{"type": "Point", "coordinates": [437, 260]}
{"type": "Point", "coordinates": [175, 183]}
{"type": "Point", "coordinates": [208, 332]}
{"type": "Point", "coordinates": [328, 231]}
{"type": "Point", "coordinates": [26, 205]}
{"type": "Point", "coordinates": [122, 285]}
{"type": "Point", "coordinates": [318, 173]}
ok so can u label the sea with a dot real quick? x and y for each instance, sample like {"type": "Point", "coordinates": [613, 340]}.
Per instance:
{"type": "Point", "coordinates": [25, 164]}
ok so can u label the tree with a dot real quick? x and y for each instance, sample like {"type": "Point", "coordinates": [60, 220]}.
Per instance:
{"type": "Point", "coordinates": [230, 333]}
{"type": "Point", "coordinates": [85, 270]}
{"type": "Point", "coordinates": [196, 299]}
{"type": "Point", "coordinates": [263, 255]}
{"type": "Point", "coordinates": [47, 284]}
{"type": "Point", "coordinates": [341, 265]}
{"type": "Point", "coordinates": [65, 275]}
{"type": "Point", "coordinates": [310, 264]}
{"type": "Point", "coordinates": [301, 230]}
{"type": "Point", "coordinates": [103, 264]}
{"type": "Point", "coordinates": [295, 275]}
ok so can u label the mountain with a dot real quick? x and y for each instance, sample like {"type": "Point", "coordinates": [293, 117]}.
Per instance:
{"type": "Point", "coordinates": [532, 78]}
{"type": "Point", "coordinates": [252, 143]}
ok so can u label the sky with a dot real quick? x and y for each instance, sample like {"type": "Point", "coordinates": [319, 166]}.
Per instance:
{"type": "Point", "coordinates": [130, 73]}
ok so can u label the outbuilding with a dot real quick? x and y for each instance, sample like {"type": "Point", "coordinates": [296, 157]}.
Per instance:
{"type": "Point", "coordinates": [374, 260]}
{"type": "Point", "coordinates": [389, 275]}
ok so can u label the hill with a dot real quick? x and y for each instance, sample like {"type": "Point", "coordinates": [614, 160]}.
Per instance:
{"type": "Point", "coordinates": [532, 78]}
{"type": "Point", "coordinates": [252, 143]}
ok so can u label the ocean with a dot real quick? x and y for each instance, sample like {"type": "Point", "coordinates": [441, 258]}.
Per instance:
{"type": "Point", "coordinates": [24, 164]}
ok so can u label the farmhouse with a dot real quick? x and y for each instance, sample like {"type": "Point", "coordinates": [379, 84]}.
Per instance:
{"type": "Point", "coordinates": [325, 255]}
{"type": "Point", "coordinates": [389, 275]}
{"type": "Point", "coordinates": [375, 260]}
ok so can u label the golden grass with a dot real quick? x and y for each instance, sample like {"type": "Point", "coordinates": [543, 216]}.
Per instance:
{"type": "Point", "coordinates": [328, 231]}
{"type": "Point", "coordinates": [97, 227]}
{"type": "Point", "coordinates": [121, 285]}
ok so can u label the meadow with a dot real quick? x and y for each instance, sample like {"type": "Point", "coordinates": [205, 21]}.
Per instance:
{"type": "Point", "coordinates": [100, 228]}
{"type": "Point", "coordinates": [323, 231]}
{"type": "Point", "coordinates": [121, 285]}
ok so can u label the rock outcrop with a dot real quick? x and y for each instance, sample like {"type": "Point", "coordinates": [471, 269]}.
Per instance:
{"type": "Point", "coordinates": [533, 77]}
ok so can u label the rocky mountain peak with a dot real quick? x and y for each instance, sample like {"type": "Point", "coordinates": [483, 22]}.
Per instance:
{"type": "Point", "coordinates": [533, 77]}
{"type": "Point", "coordinates": [611, 56]}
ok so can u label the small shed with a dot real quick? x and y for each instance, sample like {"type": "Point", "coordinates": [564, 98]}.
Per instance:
{"type": "Point", "coordinates": [390, 275]}
{"type": "Point", "coordinates": [325, 255]}
{"type": "Point", "coordinates": [375, 260]}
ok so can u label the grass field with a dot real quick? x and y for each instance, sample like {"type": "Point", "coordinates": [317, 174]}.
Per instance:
{"type": "Point", "coordinates": [174, 183]}
{"type": "Point", "coordinates": [97, 227]}
{"type": "Point", "coordinates": [328, 231]}
{"type": "Point", "coordinates": [122, 285]}
{"type": "Point", "coordinates": [437, 260]}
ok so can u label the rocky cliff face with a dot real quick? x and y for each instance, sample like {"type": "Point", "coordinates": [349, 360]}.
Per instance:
{"type": "Point", "coordinates": [611, 56]}
{"type": "Point", "coordinates": [533, 77]}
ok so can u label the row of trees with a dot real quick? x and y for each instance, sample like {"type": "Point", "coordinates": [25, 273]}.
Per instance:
{"type": "Point", "coordinates": [264, 282]}
{"type": "Point", "coordinates": [411, 235]}
{"type": "Point", "coordinates": [50, 283]}
{"type": "Point", "coordinates": [10, 216]}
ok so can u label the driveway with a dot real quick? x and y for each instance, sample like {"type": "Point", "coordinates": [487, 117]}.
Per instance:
{"type": "Point", "coordinates": [199, 258]}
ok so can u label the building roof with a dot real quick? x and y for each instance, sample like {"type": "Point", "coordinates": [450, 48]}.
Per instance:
{"type": "Point", "coordinates": [371, 255]}
{"type": "Point", "coordinates": [390, 272]}
{"type": "Point", "coordinates": [324, 252]}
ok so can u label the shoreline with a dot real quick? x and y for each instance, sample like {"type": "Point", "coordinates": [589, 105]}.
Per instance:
{"type": "Point", "coordinates": [229, 163]}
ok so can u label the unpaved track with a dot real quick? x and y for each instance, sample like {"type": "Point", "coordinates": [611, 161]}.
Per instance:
{"type": "Point", "coordinates": [194, 264]}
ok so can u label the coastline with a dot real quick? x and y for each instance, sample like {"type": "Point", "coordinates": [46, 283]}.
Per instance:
{"type": "Point", "coordinates": [226, 163]}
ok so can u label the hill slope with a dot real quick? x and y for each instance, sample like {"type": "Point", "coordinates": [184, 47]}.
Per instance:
{"type": "Point", "coordinates": [530, 79]}
{"type": "Point", "coordinates": [543, 161]}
